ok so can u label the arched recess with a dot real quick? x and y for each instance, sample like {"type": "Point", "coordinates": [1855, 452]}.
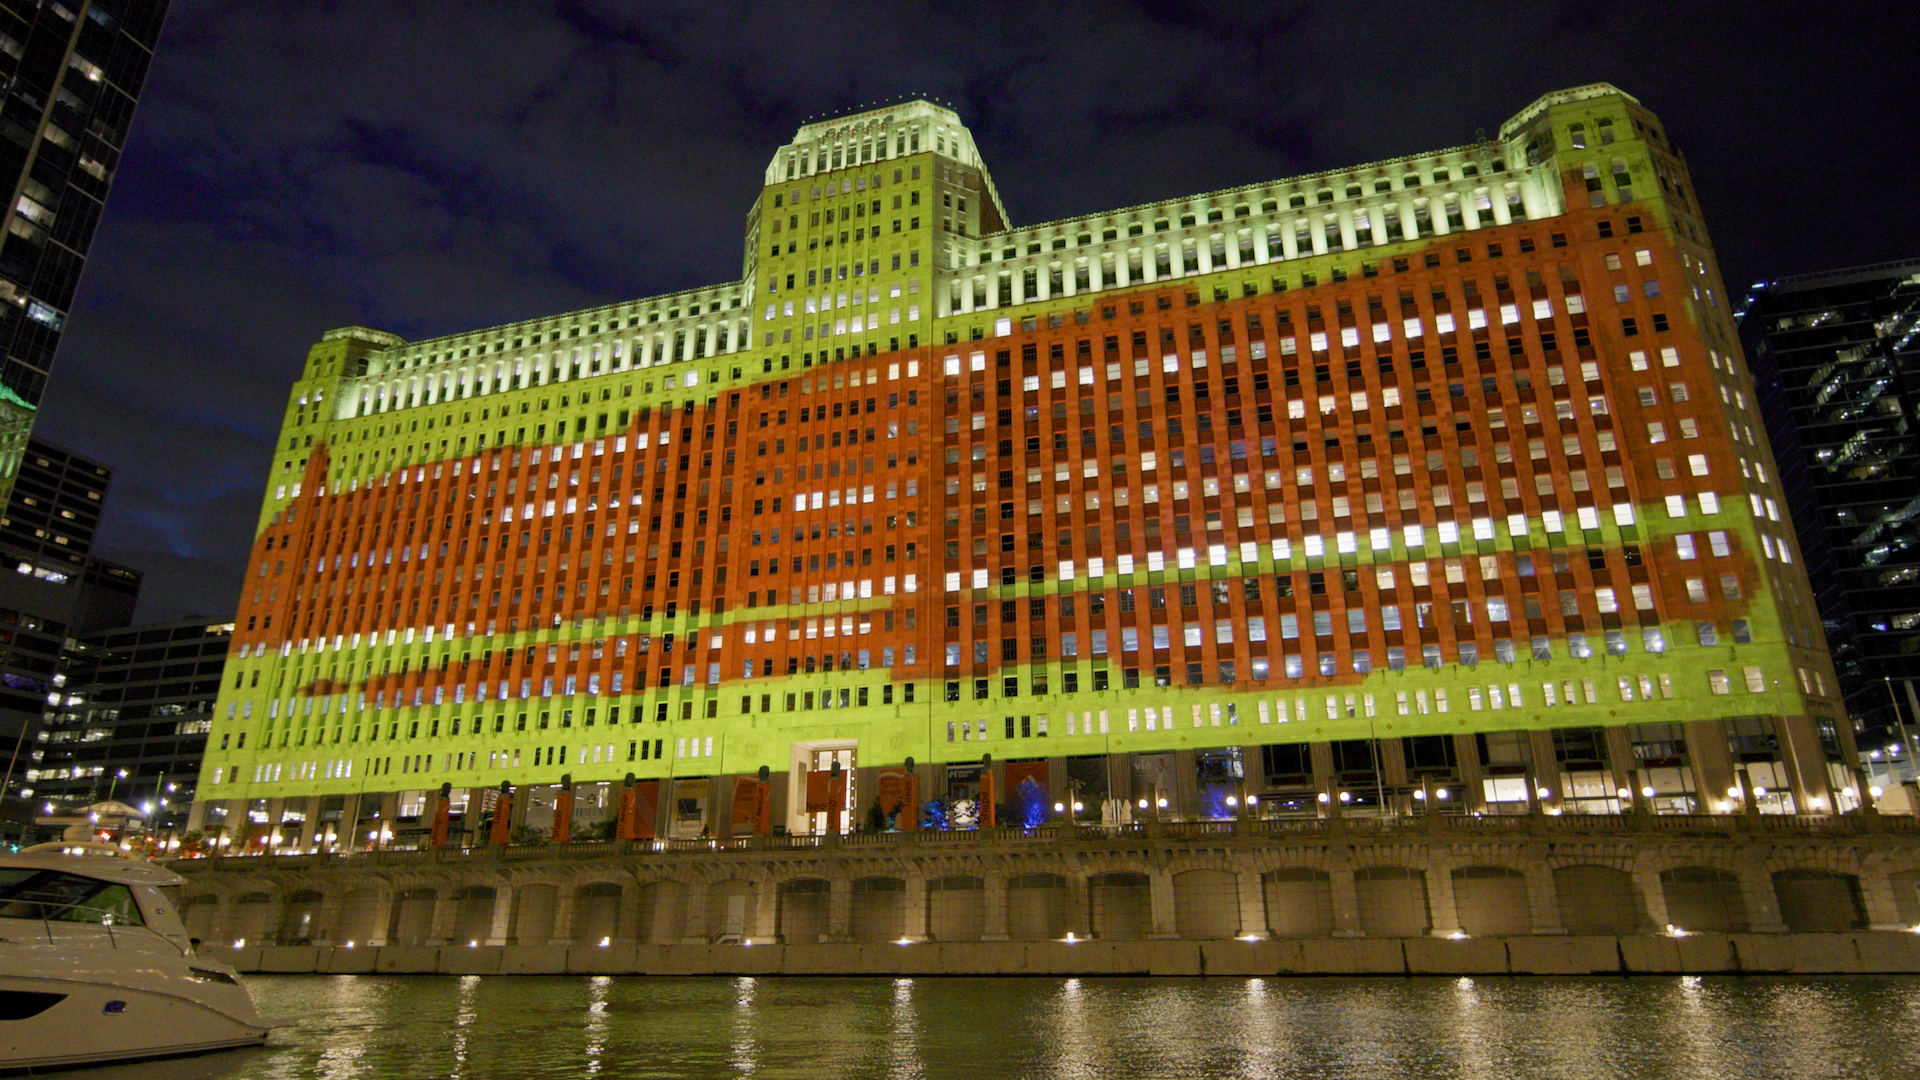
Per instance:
{"type": "Point", "coordinates": [956, 908]}
{"type": "Point", "coordinates": [660, 915]}
{"type": "Point", "coordinates": [596, 912]}
{"type": "Point", "coordinates": [359, 917]}
{"type": "Point", "coordinates": [878, 911]}
{"type": "Point", "coordinates": [412, 916]}
{"type": "Point", "coordinates": [1906, 895]}
{"type": "Point", "coordinates": [1120, 905]}
{"type": "Point", "coordinates": [804, 910]}
{"type": "Point", "coordinates": [1491, 901]}
{"type": "Point", "coordinates": [1704, 898]}
{"type": "Point", "coordinates": [1598, 900]}
{"type": "Point", "coordinates": [198, 915]}
{"type": "Point", "coordinates": [1299, 902]}
{"type": "Point", "coordinates": [730, 911]}
{"type": "Point", "coordinates": [1036, 907]}
{"type": "Point", "coordinates": [252, 917]}
{"type": "Point", "coordinates": [300, 918]}
{"type": "Point", "coordinates": [1206, 904]}
{"type": "Point", "coordinates": [533, 909]}
{"type": "Point", "coordinates": [1392, 901]}
{"type": "Point", "coordinates": [1819, 900]}
{"type": "Point", "coordinates": [473, 914]}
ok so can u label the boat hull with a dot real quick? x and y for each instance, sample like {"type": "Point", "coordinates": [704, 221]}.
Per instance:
{"type": "Point", "coordinates": [94, 1023]}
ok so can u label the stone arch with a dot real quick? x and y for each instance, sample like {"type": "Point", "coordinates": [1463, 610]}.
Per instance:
{"type": "Point", "coordinates": [805, 905]}
{"type": "Point", "coordinates": [1813, 900]}
{"type": "Point", "coordinates": [1906, 895]}
{"type": "Point", "coordinates": [1491, 901]}
{"type": "Point", "coordinates": [252, 917]}
{"type": "Point", "coordinates": [534, 906]}
{"type": "Point", "coordinates": [1704, 898]}
{"type": "Point", "coordinates": [1392, 901]}
{"type": "Point", "coordinates": [1598, 899]}
{"type": "Point", "coordinates": [1299, 902]}
{"type": "Point", "coordinates": [1206, 904]}
{"type": "Point", "coordinates": [730, 910]}
{"type": "Point", "coordinates": [1120, 905]}
{"type": "Point", "coordinates": [198, 915]}
{"type": "Point", "coordinates": [359, 918]}
{"type": "Point", "coordinates": [956, 908]}
{"type": "Point", "coordinates": [879, 909]}
{"type": "Point", "coordinates": [1036, 907]}
{"type": "Point", "coordinates": [300, 918]}
{"type": "Point", "coordinates": [473, 914]}
{"type": "Point", "coordinates": [412, 920]}
{"type": "Point", "coordinates": [660, 913]}
{"type": "Point", "coordinates": [596, 912]}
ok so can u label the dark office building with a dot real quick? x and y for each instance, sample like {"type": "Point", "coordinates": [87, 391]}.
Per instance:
{"type": "Point", "coordinates": [137, 705]}
{"type": "Point", "coordinates": [52, 589]}
{"type": "Point", "coordinates": [1836, 361]}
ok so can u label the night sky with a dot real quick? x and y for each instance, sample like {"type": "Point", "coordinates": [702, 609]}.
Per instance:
{"type": "Point", "coordinates": [433, 167]}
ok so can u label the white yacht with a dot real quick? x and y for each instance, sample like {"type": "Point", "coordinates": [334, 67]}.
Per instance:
{"type": "Point", "coordinates": [96, 966]}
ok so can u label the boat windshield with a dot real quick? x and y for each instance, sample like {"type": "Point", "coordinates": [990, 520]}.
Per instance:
{"type": "Point", "coordinates": [52, 896]}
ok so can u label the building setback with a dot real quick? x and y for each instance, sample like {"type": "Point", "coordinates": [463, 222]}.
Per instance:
{"type": "Point", "coordinates": [1438, 477]}
{"type": "Point", "coordinates": [1837, 364]}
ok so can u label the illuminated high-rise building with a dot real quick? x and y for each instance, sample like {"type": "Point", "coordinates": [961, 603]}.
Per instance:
{"type": "Point", "coordinates": [1434, 478]}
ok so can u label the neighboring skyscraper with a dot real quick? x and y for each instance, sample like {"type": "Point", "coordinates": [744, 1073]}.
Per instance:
{"type": "Point", "coordinates": [1438, 473]}
{"type": "Point", "coordinates": [138, 700]}
{"type": "Point", "coordinates": [52, 589]}
{"type": "Point", "coordinates": [1836, 359]}
{"type": "Point", "coordinates": [72, 70]}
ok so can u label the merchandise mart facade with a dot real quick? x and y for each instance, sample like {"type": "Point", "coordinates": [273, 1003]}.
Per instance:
{"type": "Point", "coordinates": [1431, 482]}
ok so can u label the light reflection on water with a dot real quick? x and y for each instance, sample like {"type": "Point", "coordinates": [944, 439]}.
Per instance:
{"type": "Point", "coordinates": [348, 1028]}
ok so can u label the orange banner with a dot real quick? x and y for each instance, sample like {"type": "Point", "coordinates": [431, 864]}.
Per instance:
{"type": "Point", "coordinates": [502, 819]}
{"type": "Point", "coordinates": [629, 809]}
{"type": "Point", "coordinates": [562, 817]}
{"type": "Point", "coordinates": [746, 801]}
{"type": "Point", "coordinates": [1019, 771]}
{"type": "Point", "coordinates": [442, 821]}
{"type": "Point", "coordinates": [646, 798]}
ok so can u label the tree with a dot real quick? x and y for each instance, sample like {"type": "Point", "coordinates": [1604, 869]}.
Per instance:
{"type": "Point", "coordinates": [876, 821]}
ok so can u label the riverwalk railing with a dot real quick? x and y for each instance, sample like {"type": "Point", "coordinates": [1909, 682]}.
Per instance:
{"type": "Point", "coordinates": [1238, 831]}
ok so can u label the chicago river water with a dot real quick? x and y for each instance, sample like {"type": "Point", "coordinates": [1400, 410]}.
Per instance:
{"type": "Point", "coordinates": [1071, 1028]}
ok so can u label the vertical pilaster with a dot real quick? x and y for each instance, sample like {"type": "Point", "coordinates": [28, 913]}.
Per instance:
{"type": "Point", "coordinates": [1442, 911]}
{"type": "Point", "coordinates": [994, 904]}
{"type": "Point", "coordinates": [1161, 903]}
{"type": "Point", "coordinates": [1763, 903]}
{"type": "Point", "coordinates": [839, 907]}
{"type": "Point", "coordinates": [915, 925]}
{"type": "Point", "coordinates": [502, 915]}
{"type": "Point", "coordinates": [1253, 905]}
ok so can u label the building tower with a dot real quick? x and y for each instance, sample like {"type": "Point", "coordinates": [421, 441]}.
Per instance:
{"type": "Point", "coordinates": [73, 70]}
{"type": "Point", "coordinates": [1430, 481]}
{"type": "Point", "coordinates": [52, 590]}
{"type": "Point", "coordinates": [1837, 365]}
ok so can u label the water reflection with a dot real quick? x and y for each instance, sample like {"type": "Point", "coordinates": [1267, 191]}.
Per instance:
{"type": "Point", "coordinates": [742, 1056]}
{"type": "Point", "coordinates": [1073, 1029]}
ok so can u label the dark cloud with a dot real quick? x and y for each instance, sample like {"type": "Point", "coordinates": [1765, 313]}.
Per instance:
{"type": "Point", "coordinates": [430, 167]}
